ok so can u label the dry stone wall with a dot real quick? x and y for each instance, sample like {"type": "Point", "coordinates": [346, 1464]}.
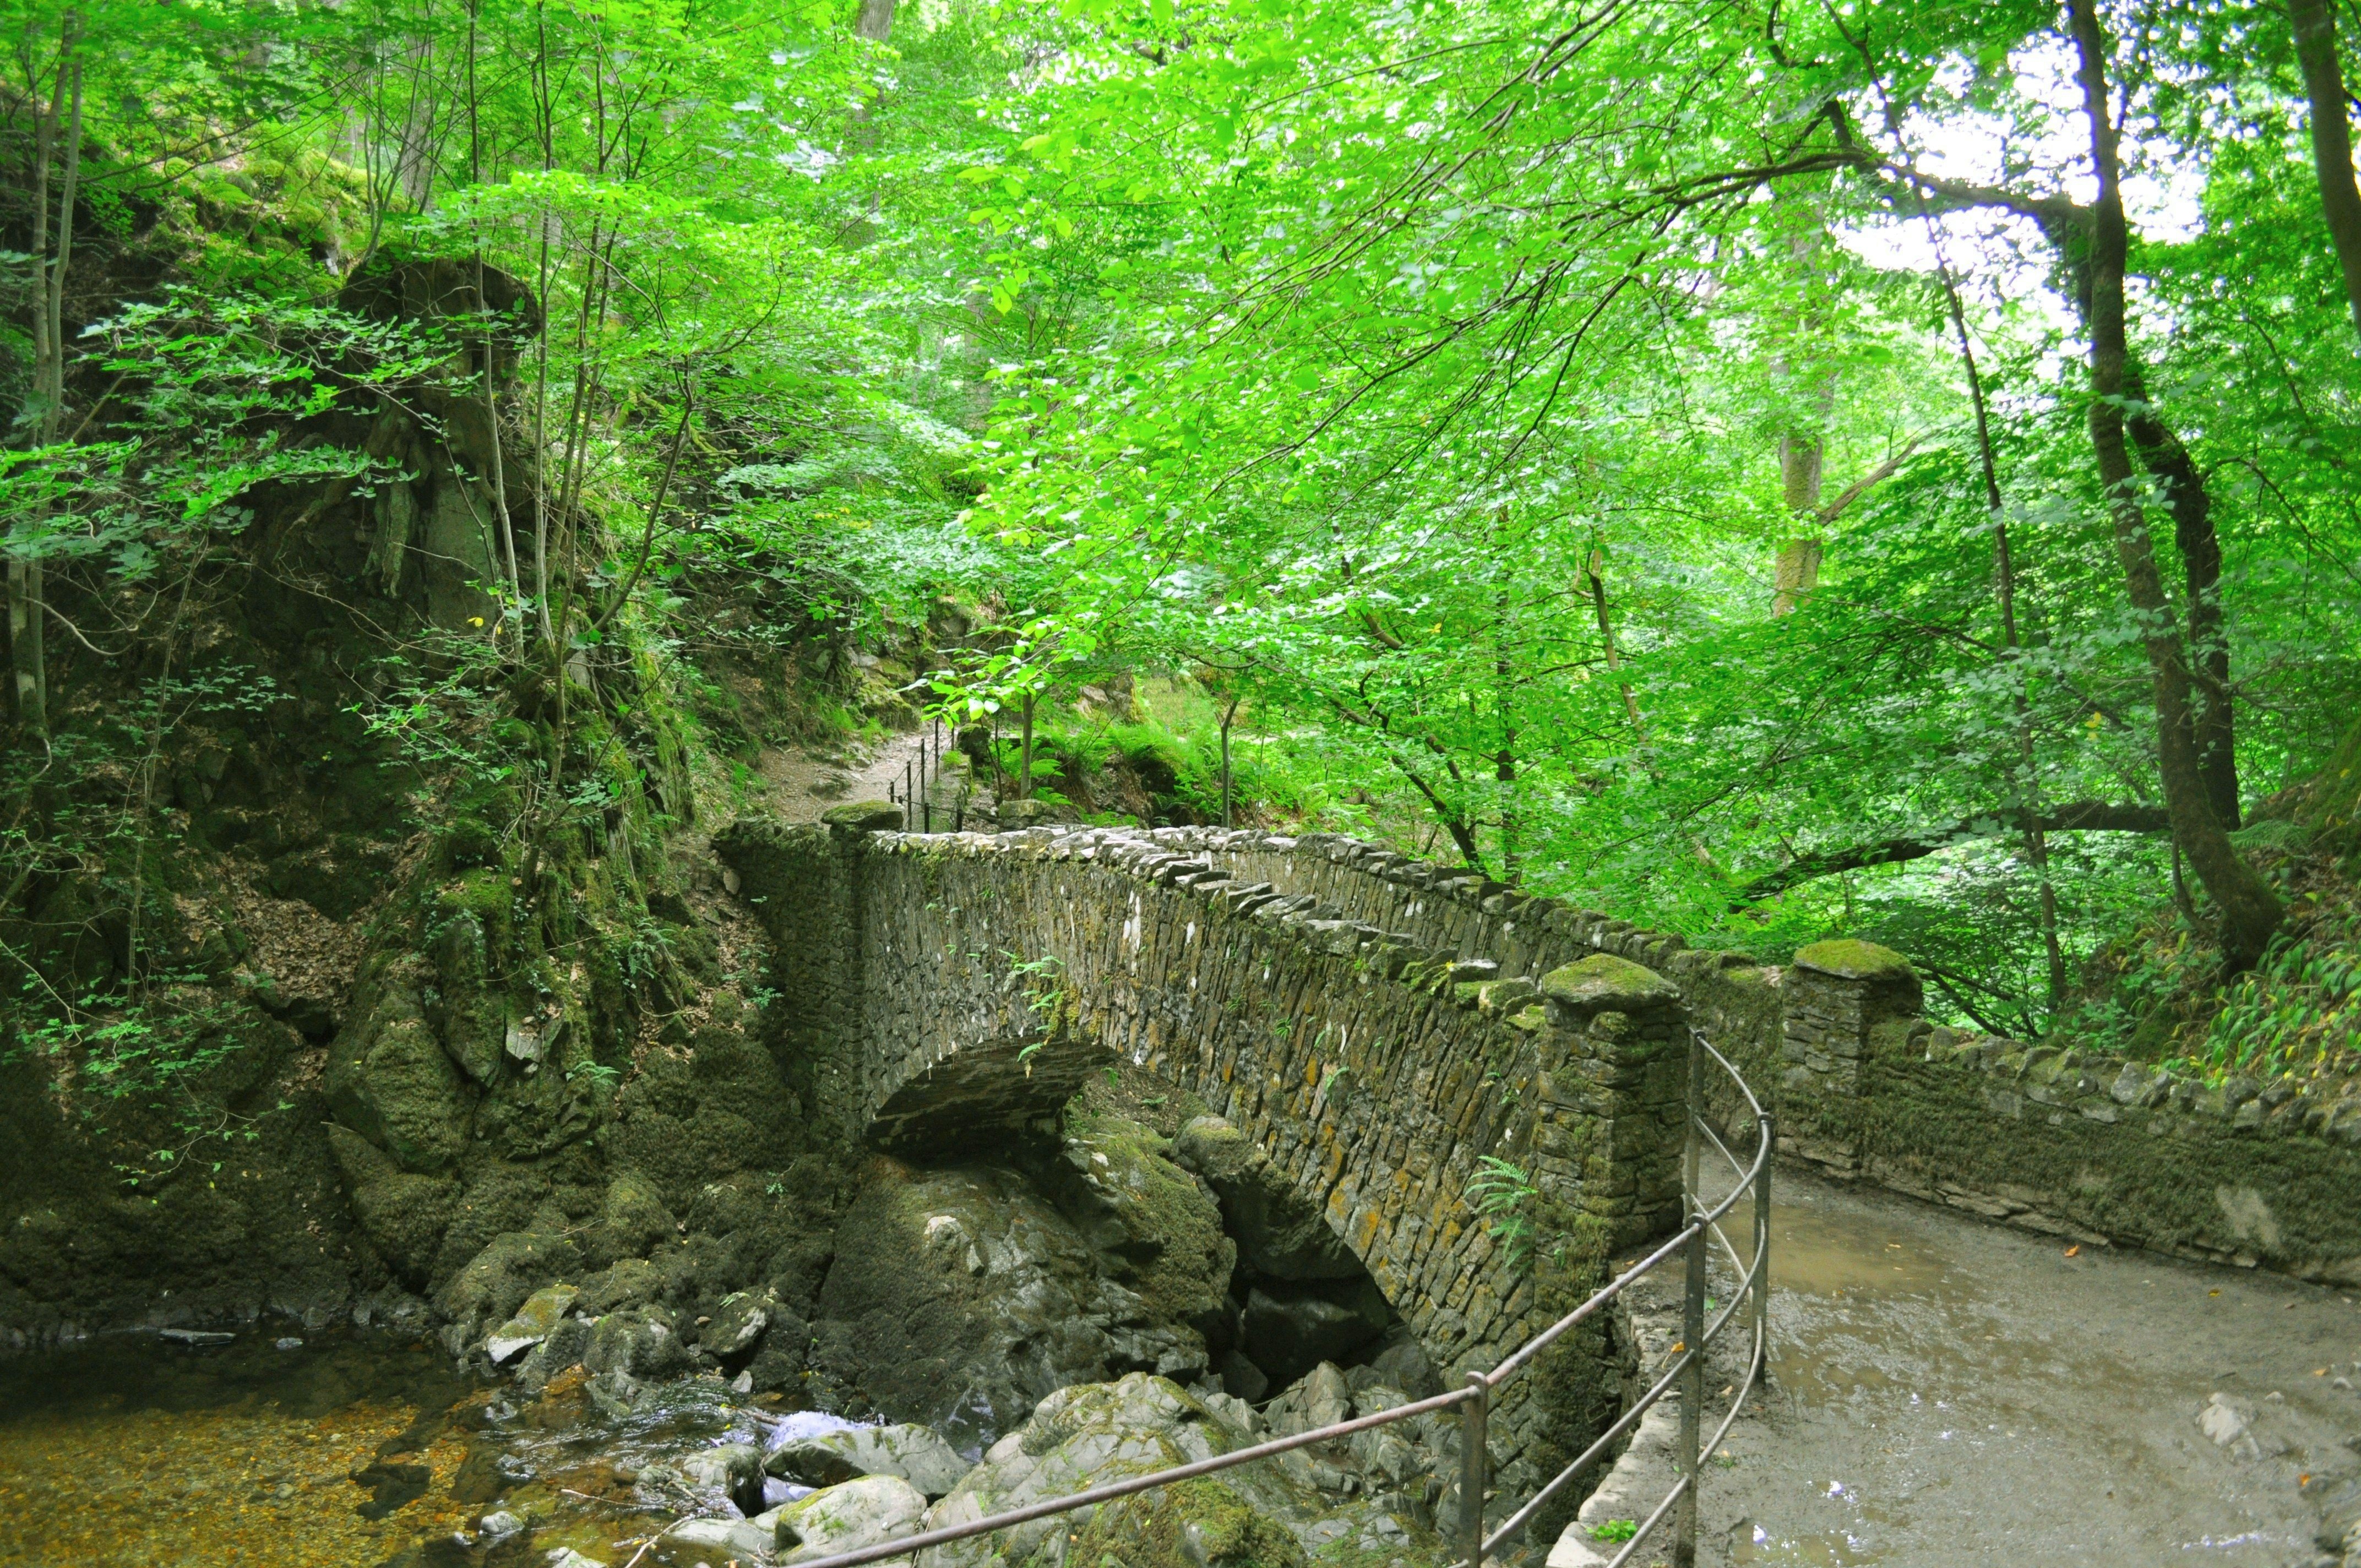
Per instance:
{"type": "Point", "coordinates": [947, 990]}
{"type": "Point", "coordinates": [2045, 1137]}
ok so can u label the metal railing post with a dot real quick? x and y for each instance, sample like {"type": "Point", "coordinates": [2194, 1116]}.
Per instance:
{"type": "Point", "coordinates": [1693, 1207]}
{"type": "Point", "coordinates": [1762, 1251]}
{"type": "Point", "coordinates": [1473, 1469]}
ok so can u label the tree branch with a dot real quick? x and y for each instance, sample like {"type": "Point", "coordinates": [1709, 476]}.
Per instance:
{"type": "Point", "coordinates": [2081, 816]}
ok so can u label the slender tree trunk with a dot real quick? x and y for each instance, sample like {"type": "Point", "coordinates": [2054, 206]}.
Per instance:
{"type": "Point", "coordinates": [2213, 718]}
{"type": "Point", "coordinates": [2332, 137]}
{"type": "Point", "coordinates": [2250, 911]}
{"type": "Point", "coordinates": [1595, 569]}
{"type": "Point", "coordinates": [1228, 714]}
{"type": "Point", "coordinates": [27, 590]}
{"type": "Point", "coordinates": [1796, 573]}
{"type": "Point", "coordinates": [1025, 752]}
{"type": "Point", "coordinates": [2036, 843]}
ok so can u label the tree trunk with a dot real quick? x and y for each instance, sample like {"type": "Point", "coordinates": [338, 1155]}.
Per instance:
{"type": "Point", "coordinates": [1595, 570]}
{"type": "Point", "coordinates": [2036, 843]}
{"type": "Point", "coordinates": [1024, 753]}
{"type": "Point", "coordinates": [1797, 570]}
{"type": "Point", "coordinates": [2212, 717]}
{"type": "Point", "coordinates": [876, 20]}
{"type": "Point", "coordinates": [1228, 714]}
{"type": "Point", "coordinates": [2332, 137]}
{"type": "Point", "coordinates": [28, 630]}
{"type": "Point", "coordinates": [2250, 911]}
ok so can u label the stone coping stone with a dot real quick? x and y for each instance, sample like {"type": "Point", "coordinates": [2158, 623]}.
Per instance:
{"type": "Point", "coordinates": [864, 817]}
{"type": "Point", "coordinates": [1602, 982]}
{"type": "Point", "coordinates": [1847, 959]}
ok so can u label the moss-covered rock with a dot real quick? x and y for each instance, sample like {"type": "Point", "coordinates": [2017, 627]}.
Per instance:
{"type": "Point", "coordinates": [390, 1080]}
{"type": "Point", "coordinates": [1158, 1225]}
{"type": "Point", "coordinates": [1196, 1524]}
{"type": "Point", "coordinates": [498, 1279]}
{"type": "Point", "coordinates": [402, 1215]}
{"type": "Point", "coordinates": [1848, 958]}
{"type": "Point", "coordinates": [632, 1221]}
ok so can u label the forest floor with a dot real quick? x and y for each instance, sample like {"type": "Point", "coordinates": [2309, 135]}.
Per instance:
{"type": "Point", "coordinates": [1948, 1393]}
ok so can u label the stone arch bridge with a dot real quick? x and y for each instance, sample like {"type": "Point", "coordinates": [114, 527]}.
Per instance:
{"type": "Point", "coordinates": [1380, 1026]}
{"type": "Point", "coordinates": [949, 993]}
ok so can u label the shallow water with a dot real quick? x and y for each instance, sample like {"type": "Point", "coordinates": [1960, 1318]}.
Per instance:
{"type": "Point", "coordinates": [343, 1451]}
{"type": "Point", "coordinates": [1951, 1394]}
{"type": "Point", "coordinates": [133, 1450]}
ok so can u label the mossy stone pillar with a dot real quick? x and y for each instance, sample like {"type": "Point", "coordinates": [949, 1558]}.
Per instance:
{"type": "Point", "coordinates": [1609, 1121]}
{"type": "Point", "coordinates": [1838, 996]}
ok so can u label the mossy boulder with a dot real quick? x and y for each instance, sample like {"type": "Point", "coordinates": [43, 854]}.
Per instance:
{"type": "Point", "coordinates": [497, 1280]}
{"type": "Point", "coordinates": [632, 1221]}
{"type": "Point", "coordinates": [1259, 1516]}
{"type": "Point", "coordinates": [1157, 1225]}
{"type": "Point", "coordinates": [689, 1119]}
{"type": "Point", "coordinates": [402, 1215]}
{"type": "Point", "coordinates": [641, 1342]}
{"type": "Point", "coordinates": [472, 1014]}
{"type": "Point", "coordinates": [390, 1080]}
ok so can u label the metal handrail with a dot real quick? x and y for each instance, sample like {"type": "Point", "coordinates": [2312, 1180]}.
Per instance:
{"type": "Point", "coordinates": [1473, 1399]}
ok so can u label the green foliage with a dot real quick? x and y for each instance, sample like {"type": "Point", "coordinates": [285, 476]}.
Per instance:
{"type": "Point", "coordinates": [1502, 1193]}
{"type": "Point", "coordinates": [1406, 390]}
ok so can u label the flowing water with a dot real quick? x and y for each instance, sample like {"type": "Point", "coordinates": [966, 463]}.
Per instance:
{"type": "Point", "coordinates": [1951, 1394]}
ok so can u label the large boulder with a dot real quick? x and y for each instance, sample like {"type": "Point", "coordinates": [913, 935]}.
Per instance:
{"type": "Point", "coordinates": [830, 1459]}
{"type": "Point", "coordinates": [497, 1281]}
{"type": "Point", "coordinates": [404, 1216]}
{"type": "Point", "coordinates": [1280, 1235]}
{"type": "Point", "coordinates": [846, 1518]}
{"type": "Point", "coordinates": [1155, 1226]}
{"type": "Point", "coordinates": [1078, 1438]}
{"type": "Point", "coordinates": [388, 1079]}
{"type": "Point", "coordinates": [1257, 1515]}
{"type": "Point", "coordinates": [958, 1298]}
{"type": "Point", "coordinates": [542, 1313]}
{"type": "Point", "coordinates": [638, 1345]}
{"type": "Point", "coordinates": [736, 1323]}
{"type": "Point", "coordinates": [632, 1220]}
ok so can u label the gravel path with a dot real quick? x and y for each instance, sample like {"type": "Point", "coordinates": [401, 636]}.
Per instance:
{"type": "Point", "coordinates": [805, 782]}
{"type": "Point", "coordinates": [1953, 1394]}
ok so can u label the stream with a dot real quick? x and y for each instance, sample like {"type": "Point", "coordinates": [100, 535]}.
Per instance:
{"type": "Point", "coordinates": [330, 1450]}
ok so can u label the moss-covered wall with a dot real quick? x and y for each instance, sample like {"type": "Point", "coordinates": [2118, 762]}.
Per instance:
{"type": "Point", "coordinates": [2041, 1136]}
{"type": "Point", "coordinates": [982, 977]}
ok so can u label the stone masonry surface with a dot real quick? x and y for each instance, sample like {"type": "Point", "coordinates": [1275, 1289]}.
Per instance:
{"type": "Point", "coordinates": [2044, 1138]}
{"type": "Point", "coordinates": [949, 991]}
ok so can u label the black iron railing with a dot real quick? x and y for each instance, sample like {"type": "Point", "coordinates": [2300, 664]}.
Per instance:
{"type": "Point", "coordinates": [1692, 1243]}
{"type": "Point", "coordinates": [916, 795]}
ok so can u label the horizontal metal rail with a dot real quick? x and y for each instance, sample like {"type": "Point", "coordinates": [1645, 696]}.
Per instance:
{"type": "Point", "coordinates": [1473, 1399]}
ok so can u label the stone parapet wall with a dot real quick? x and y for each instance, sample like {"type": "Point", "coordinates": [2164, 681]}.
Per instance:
{"type": "Point", "coordinates": [2097, 1148]}
{"type": "Point", "coordinates": [2044, 1138]}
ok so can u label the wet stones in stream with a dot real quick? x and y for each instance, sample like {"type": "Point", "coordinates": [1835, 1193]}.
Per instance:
{"type": "Point", "coordinates": [391, 1485]}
